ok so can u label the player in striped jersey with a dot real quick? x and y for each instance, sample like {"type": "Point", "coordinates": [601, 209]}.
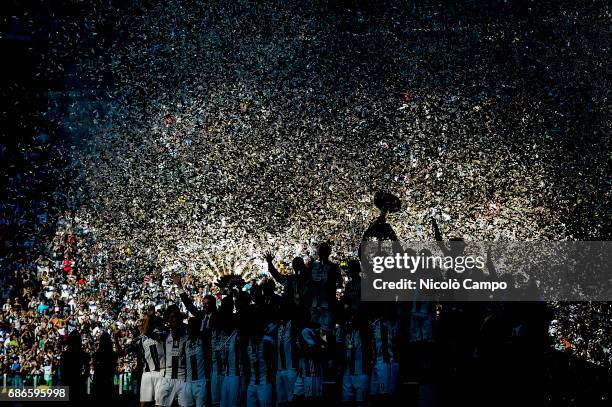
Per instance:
{"type": "Point", "coordinates": [211, 333]}
{"type": "Point", "coordinates": [260, 351]}
{"type": "Point", "coordinates": [384, 372]}
{"type": "Point", "coordinates": [217, 349]}
{"type": "Point", "coordinates": [232, 387]}
{"type": "Point", "coordinates": [217, 365]}
{"type": "Point", "coordinates": [309, 383]}
{"type": "Point", "coordinates": [174, 373]}
{"type": "Point", "coordinates": [150, 351]}
{"type": "Point", "coordinates": [354, 340]}
{"type": "Point", "coordinates": [194, 392]}
{"type": "Point", "coordinates": [286, 357]}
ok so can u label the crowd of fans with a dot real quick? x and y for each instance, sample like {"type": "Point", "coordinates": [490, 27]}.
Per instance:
{"type": "Point", "coordinates": [580, 321]}
{"type": "Point", "coordinates": [75, 300]}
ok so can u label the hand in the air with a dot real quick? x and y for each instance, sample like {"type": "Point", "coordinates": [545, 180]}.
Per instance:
{"type": "Point", "coordinates": [269, 256]}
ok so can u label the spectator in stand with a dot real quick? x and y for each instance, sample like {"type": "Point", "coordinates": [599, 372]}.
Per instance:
{"type": "Point", "coordinates": [67, 264]}
{"type": "Point", "coordinates": [43, 308]}
{"type": "Point", "coordinates": [16, 371]}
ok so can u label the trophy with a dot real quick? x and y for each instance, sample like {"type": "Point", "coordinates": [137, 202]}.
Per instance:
{"type": "Point", "coordinates": [379, 229]}
{"type": "Point", "coordinates": [387, 203]}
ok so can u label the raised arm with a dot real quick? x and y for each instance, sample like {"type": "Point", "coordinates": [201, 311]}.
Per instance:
{"type": "Point", "coordinates": [272, 270]}
{"type": "Point", "coordinates": [438, 237]}
{"type": "Point", "coordinates": [176, 279]}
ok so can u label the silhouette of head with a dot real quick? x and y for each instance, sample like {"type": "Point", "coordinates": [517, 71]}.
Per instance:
{"type": "Point", "coordinates": [105, 344]}
{"type": "Point", "coordinates": [74, 343]}
{"type": "Point", "coordinates": [173, 317]}
{"type": "Point", "coordinates": [209, 304]}
{"type": "Point", "coordinates": [324, 251]}
{"type": "Point", "coordinates": [227, 306]}
{"type": "Point", "coordinates": [268, 287]}
{"type": "Point", "coordinates": [243, 300]}
{"type": "Point", "coordinates": [457, 246]}
{"type": "Point", "coordinates": [298, 265]}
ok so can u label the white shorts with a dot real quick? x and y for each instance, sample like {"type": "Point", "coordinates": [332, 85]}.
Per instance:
{"type": "Point", "coordinates": [285, 383]}
{"type": "Point", "coordinates": [231, 390]}
{"type": "Point", "coordinates": [194, 393]}
{"type": "Point", "coordinates": [309, 386]}
{"type": "Point", "coordinates": [149, 383]}
{"type": "Point", "coordinates": [355, 387]}
{"type": "Point", "coordinates": [259, 395]}
{"type": "Point", "coordinates": [169, 389]}
{"type": "Point", "coordinates": [384, 378]}
{"type": "Point", "coordinates": [216, 381]}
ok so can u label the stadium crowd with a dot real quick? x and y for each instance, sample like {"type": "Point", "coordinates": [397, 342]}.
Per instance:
{"type": "Point", "coordinates": [72, 317]}
{"type": "Point", "coordinates": [70, 304]}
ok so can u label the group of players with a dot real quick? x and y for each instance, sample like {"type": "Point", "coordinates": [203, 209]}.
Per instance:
{"type": "Point", "coordinates": [262, 350]}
